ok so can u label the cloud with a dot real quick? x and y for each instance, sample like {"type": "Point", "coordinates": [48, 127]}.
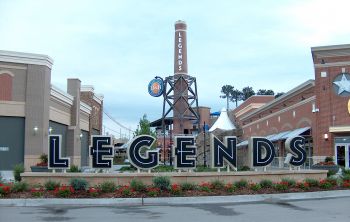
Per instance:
{"type": "Point", "coordinates": [119, 46]}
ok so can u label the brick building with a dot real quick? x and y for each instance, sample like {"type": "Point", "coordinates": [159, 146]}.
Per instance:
{"type": "Point", "coordinates": [31, 109]}
{"type": "Point", "coordinates": [316, 109]}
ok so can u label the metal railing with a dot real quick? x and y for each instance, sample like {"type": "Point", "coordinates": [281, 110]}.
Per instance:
{"type": "Point", "coordinates": [278, 163]}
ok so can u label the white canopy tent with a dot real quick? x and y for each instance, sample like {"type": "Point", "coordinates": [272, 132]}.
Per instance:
{"type": "Point", "coordinates": [223, 122]}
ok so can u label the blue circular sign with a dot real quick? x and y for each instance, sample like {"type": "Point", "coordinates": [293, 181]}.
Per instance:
{"type": "Point", "coordinates": [156, 87]}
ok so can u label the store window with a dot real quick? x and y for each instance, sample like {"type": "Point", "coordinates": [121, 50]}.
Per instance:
{"type": "Point", "coordinates": [6, 85]}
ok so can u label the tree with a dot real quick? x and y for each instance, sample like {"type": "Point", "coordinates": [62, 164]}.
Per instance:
{"type": "Point", "coordinates": [236, 96]}
{"type": "Point", "coordinates": [144, 127]}
{"type": "Point", "coordinates": [278, 94]}
{"type": "Point", "coordinates": [247, 92]}
{"type": "Point", "coordinates": [226, 90]}
{"type": "Point", "coordinates": [265, 92]}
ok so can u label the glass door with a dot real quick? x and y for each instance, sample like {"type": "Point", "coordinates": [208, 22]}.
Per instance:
{"type": "Point", "coordinates": [342, 153]}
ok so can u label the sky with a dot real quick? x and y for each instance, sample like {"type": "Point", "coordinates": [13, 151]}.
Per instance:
{"type": "Point", "coordinates": [118, 46]}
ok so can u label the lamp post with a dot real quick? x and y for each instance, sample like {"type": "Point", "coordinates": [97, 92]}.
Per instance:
{"type": "Point", "coordinates": [205, 146]}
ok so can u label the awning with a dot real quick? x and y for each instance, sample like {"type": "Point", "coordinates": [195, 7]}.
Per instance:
{"type": "Point", "coordinates": [279, 136]}
{"type": "Point", "coordinates": [296, 132]}
{"type": "Point", "coordinates": [243, 143]}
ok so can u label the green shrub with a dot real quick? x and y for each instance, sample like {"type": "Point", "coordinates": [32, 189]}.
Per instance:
{"type": "Point", "coordinates": [230, 187]}
{"type": "Point", "coordinates": [346, 177]}
{"type": "Point", "coordinates": [161, 182]}
{"type": "Point", "coordinates": [312, 182]}
{"type": "Point", "coordinates": [17, 170]}
{"type": "Point", "coordinates": [163, 168]}
{"type": "Point", "coordinates": [324, 184]}
{"type": "Point", "coordinates": [328, 159]}
{"type": "Point", "coordinates": [126, 191]}
{"type": "Point", "coordinates": [37, 191]}
{"type": "Point", "coordinates": [152, 191]}
{"type": "Point", "coordinates": [331, 173]}
{"type": "Point", "coordinates": [206, 187]}
{"type": "Point", "coordinates": [303, 185]}
{"type": "Point", "coordinates": [204, 169]}
{"type": "Point", "coordinates": [346, 172]}
{"type": "Point", "coordinates": [51, 185]}
{"type": "Point", "coordinates": [333, 181]}
{"type": "Point", "coordinates": [291, 182]}
{"type": "Point", "coordinates": [20, 187]}
{"type": "Point", "coordinates": [43, 158]}
{"type": "Point", "coordinates": [217, 184]}
{"type": "Point", "coordinates": [108, 187]}
{"type": "Point", "coordinates": [243, 168]}
{"type": "Point", "coordinates": [127, 168]}
{"type": "Point", "coordinates": [188, 186]}
{"type": "Point", "coordinates": [74, 169]}
{"type": "Point", "coordinates": [255, 186]}
{"type": "Point", "coordinates": [64, 191]}
{"type": "Point", "coordinates": [137, 185]}
{"type": "Point", "coordinates": [241, 184]}
{"type": "Point", "coordinates": [78, 184]}
{"type": "Point", "coordinates": [266, 183]}
{"type": "Point", "coordinates": [281, 186]}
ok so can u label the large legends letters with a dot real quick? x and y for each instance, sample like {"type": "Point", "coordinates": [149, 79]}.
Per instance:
{"type": "Point", "coordinates": [151, 158]}
{"type": "Point", "coordinates": [261, 152]}
{"type": "Point", "coordinates": [55, 161]}
{"type": "Point", "coordinates": [102, 152]}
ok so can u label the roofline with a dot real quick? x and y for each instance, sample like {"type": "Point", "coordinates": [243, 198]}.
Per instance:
{"type": "Point", "coordinates": [308, 83]}
{"type": "Point", "coordinates": [249, 98]}
{"type": "Point", "coordinates": [26, 58]}
{"type": "Point", "coordinates": [329, 47]}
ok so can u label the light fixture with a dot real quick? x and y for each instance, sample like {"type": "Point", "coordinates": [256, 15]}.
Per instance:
{"type": "Point", "coordinates": [81, 135]}
{"type": "Point", "coordinates": [50, 130]}
{"type": "Point", "coordinates": [325, 136]}
{"type": "Point", "coordinates": [35, 130]}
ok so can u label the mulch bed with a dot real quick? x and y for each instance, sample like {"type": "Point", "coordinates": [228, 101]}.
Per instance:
{"type": "Point", "coordinates": [189, 193]}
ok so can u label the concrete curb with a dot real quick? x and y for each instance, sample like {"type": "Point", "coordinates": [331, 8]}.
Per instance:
{"type": "Point", "coordinates": [176, 200]}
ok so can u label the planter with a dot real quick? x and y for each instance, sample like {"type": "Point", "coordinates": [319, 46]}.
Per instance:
{"type": "Point", "coordinates": [40, 169]}
{"type": "Point", "coordinates": [326, 167]}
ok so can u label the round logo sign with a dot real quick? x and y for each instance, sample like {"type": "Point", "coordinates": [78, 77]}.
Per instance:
{"type": "Point", "coordinates": [155, 87]}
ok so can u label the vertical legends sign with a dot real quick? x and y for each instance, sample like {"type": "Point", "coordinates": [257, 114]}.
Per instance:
{"type": "Point", "coordinates": [180, 63]}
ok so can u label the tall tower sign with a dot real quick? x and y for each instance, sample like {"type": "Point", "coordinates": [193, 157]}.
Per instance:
{"type": "Point", "coordinates": [180, 58]}
{"type": "Point", "coordinates": [182, 123]}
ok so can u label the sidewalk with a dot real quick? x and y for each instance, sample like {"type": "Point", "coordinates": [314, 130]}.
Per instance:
{"type": "Point", "coordinates": [176, 200]}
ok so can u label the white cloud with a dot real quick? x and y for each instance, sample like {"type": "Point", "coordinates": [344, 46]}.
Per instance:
{"type": "Point", "coordinates": [119, 46]}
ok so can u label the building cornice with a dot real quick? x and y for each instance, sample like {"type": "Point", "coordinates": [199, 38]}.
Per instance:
{"type": "Point", "coordinates": [85, 108]}
{"type": "Point", "coordinates": [26, 58]}
{"type": "Point", "coordinates": [306, 85]}
{"type": "Point", "coordinates": [330, 47]}
{"type": "Point", "coordinates": [339, 129]}
{"type": "Point", "coordinates": [310, 99]}
{"type": "Point", "coordinates": [87, 88]}
{"type": "Point", "coordinates": [249, 107]}
{"type": "Point", "coordinates": [98, 98]}
{"type": "Point", "coordinates": [61, 96]}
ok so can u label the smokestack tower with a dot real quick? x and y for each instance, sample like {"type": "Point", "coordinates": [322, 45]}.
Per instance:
{"type": "Point", "coordinates": [182, 124]}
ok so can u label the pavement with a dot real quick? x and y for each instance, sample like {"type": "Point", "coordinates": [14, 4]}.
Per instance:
{"type": "Point", "coordinates": [7, 175]}
{"type": "Point", "coordinates": [272, 198]}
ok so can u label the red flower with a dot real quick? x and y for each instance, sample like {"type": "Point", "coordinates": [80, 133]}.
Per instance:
{"type": "Point", "coordinates": [175, 186]}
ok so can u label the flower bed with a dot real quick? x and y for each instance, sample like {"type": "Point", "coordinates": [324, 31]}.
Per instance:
{"type": "Point", "coordinates": [163, 188]}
